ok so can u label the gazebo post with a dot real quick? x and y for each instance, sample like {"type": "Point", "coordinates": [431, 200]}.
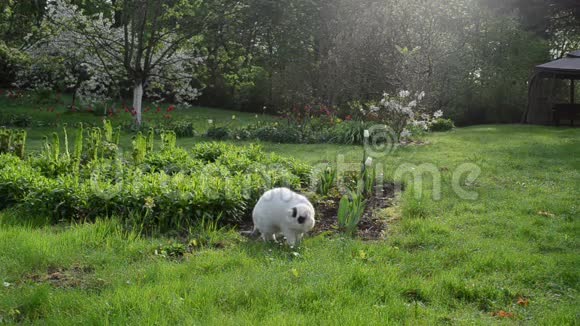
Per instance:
{"type": "Point", "coordinates": [572, 89]}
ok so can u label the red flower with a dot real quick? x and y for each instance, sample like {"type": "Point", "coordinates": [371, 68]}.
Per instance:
{"type": "Point", "coordinates": [170, 108]}
{"type": "Point", "coordinates": [158, 110]}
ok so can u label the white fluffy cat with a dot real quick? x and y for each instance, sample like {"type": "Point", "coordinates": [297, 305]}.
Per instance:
{"type": "Point", "coordinates": [280, 210]}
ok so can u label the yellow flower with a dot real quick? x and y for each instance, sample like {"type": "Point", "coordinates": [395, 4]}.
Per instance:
{"type": "Point", "coordinates": [149, 202]}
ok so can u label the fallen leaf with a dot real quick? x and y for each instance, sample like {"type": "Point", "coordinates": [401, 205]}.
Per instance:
{"type": "Point", "coordinates": [502, 314]}
{"type": "Point", "coordinates": [523, 301]}
{"type": "Point", "coordinates": [546, 214]}
{"type": "Point", "coordinates": [295, 272]}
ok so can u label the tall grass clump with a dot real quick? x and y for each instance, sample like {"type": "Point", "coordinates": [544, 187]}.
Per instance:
{"type": "Point", "coordinates": [415, 205]}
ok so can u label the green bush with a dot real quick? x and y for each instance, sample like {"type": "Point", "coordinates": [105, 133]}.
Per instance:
{"type": "Point", "coordinates": [441, 124]}
{"type": "Point", "coordinates": [15, 120]}
{"type": "Point", "coordinates": [349, 132]}
{"type": "Point", "coordinates": [182, 128]}
{"type": "Point", "coordinates": [12, 141]}
{"type": "Point", "coordinates": [179, 127]}
{"type": "Point", "coordinates": [218, 133]}
{"type": "Point", "coordinates": [279, 134]}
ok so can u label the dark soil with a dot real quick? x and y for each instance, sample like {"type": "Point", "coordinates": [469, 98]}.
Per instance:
{"type": "Point", "coordinates": [74, 277]}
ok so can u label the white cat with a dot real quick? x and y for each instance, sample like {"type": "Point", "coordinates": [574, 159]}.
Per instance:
{"type": "Point", "coordinates": [280, 210]}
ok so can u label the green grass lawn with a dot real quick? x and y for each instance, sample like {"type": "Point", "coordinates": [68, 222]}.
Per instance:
{"type": "Point", "coordinates": [461, 262]}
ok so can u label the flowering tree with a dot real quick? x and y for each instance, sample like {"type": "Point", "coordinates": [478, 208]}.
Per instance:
{"type": "Point", "coordinates": [400, 111]}
{"type": "Point", "coordinates": [148, 45]}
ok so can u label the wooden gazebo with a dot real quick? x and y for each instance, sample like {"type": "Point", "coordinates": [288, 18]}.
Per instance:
{"type": "Point", "coordinates": [552, 92]}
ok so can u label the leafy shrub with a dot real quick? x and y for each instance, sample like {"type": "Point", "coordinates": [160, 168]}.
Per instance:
{"type": "Point", "coordinates": [182, 128]}
{"type": "Point", "coordinates": [15, 120]}
{"type": "Point", "coordinates": [162, 189]}
{"type": "Point", "coordinates": [279, 134]}
{"type": "Point", "coordinates": [171, 161]}
{"type": "Point", "coordinates": [44, 96]}
{"type": "Point", "coordinates": [218, 133]}
{"type": "Point", "coordinates": [349, 132]}
{"type": "Point", "coordinates": [179, 127]}
{"type": "Point", "coordinates": [210, 151]}
{"type": "Point", "coordinates": [441, 124]}
{"type": "Point", "coordinates": [12, 141]}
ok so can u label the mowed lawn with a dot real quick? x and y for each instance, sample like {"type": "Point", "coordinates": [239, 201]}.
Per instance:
{"type": "Point", "coordinates": [510, 256]}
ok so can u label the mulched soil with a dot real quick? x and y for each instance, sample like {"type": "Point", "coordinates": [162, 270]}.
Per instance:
{"type": "Point", "coordinates": [370, 226]}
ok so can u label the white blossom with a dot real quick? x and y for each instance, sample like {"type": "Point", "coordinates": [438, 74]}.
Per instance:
{"type": "Point", "coordinates": [404, 93]}
{"type": "Point", "coordinates": [369, 161]}
{"type": "Point", "coordinates": [366, 133]}
{"type": "Point", "coordinates": [438, 114]}
{"type": "Point", "coordinates": [400, 111]}
{"type": "Point", "coordinates": [97, 42]}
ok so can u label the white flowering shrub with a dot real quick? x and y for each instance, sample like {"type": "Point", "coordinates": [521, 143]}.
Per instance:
{"type": "Point", "coordinates": [96, 44]}
{"type": "Point", "coordinates": [403, 113]}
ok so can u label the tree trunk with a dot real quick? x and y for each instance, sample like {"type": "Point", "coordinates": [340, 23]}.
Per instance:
{"type": "Point", "coordinates": [137, 98]}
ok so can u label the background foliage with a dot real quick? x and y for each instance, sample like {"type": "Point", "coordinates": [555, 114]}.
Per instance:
{"type": "Point", "coordinates": [472, 57]}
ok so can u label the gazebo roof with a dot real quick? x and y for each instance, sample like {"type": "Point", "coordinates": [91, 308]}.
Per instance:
{"type": "Point", "coordinates": [569, 65]}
